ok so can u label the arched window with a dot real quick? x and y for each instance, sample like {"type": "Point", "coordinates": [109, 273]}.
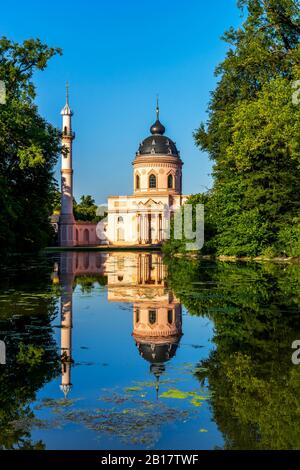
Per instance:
{"type": "Point", "coordinates": [152, 317]}
{"type": "Point", "coordinates": [120, 234]}
{"type": "Point", "coordinates": [65, 130]}
{"type": "Point", "coordinates": [170, 182]}
{"type": "Point", "coordinates": [120, 220]}
{"type": "Point", "coordinates": [137, 182]}
{"type": "Point", "coordinates": [152, 181]}
{"type": "Point", "coordinates": [86, 261]}
{"type": "Point", "coordinates": [86, 236]}
{"type": "Point", "coordinates": [137, 315]}
{"type": "Point", "coordinates": [170, 317]}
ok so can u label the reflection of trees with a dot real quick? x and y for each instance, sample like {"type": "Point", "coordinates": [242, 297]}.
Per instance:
{"type": "Point", "coordinates": [25, 325]}
{"type": "Point", "coordinates": [87, 282]}
{"type": "Point", "coordinates": [255, 310]}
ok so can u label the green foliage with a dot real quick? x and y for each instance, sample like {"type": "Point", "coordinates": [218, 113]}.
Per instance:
{"type": "Point", "coordinates": [289, 239]}
{"type": "Point", "coordinates": [29, 147]}
{"type": "Point", "coordinates": [56, 201]}
{"type": "Point", "coordinates": [255, 310]}
{"type": "Point", "coordinates": [86, 210]}
{"type": "Point", "coordinates": [87, 282]}
{"type": "Point", "coordinates": [30, 355]}
{"type": "Point", "coordinates": [179, 246]}
{"type": "Point", "coordinates": [27, 310]}
{"type": "Point", "coordinates": [252, 135]}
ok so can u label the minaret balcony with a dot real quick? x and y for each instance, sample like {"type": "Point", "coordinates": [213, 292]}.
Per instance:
{"type": "Point", "coordinates": [68, 134]}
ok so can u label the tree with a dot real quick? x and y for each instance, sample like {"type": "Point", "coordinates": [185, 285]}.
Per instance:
{"type": "Point", "coordinates": [86, 210]}
{"type": "Point", "coordinates": [252, 135]}
{"type": "Point", "coordinates": [174, 245]}
{"type": "Point", "coordinates": [29, 147]}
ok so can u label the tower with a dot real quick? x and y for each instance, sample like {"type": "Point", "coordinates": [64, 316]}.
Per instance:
{"type": "Point", "coordinates": [157, 175]}
{"type": "Point", "coordinates": [157, 167]}
{"type": "Point", "coordinates": [67, 222]}
{"type": "Point", "coordinates": [143, 218]}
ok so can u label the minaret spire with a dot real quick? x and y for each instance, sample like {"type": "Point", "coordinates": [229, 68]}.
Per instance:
{"type": "Point", "coordinates": [157, 127]}
{"type": "Point", "coordinates": [67, 93]}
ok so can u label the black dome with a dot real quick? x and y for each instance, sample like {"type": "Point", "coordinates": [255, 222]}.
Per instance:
{"type": "Point", "coordinates": [157, 353]}
{"type": "Point", "coordinates": [157, 128]}
{"type": "Point", "coordinates": [158, 145]}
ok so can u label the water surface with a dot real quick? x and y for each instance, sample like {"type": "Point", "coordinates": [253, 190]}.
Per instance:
{"type": "Point", "coordinates": [133, 351]}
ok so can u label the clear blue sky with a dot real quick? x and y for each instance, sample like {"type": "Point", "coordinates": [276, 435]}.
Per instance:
{"type": "Point", "coordinates": [117, 55]}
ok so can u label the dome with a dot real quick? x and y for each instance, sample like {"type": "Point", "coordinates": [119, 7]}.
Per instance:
{"type": "Point", "coordinates": [157, 353]}
{"type": "Point", "coordinates": [157, 128]}
{"type": "Point", "coordinates": [158, 143]}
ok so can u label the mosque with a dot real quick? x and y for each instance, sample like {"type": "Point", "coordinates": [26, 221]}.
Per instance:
{"type": "Point", "coordinates": [138, 219]}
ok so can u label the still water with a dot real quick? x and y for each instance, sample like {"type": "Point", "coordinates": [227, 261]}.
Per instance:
{"type": "Point", "coordinates": [133, 351]}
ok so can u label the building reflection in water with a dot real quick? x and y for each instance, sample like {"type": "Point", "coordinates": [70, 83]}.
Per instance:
{"type": "Point", "coordinates": [135, 278]}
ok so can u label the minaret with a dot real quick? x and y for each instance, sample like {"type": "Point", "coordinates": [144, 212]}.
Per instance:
{"type": "Point", "coordinates": [67, 222]}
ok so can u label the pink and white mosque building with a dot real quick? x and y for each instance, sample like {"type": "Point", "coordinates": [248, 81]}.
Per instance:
{"type": "Point", "coordinates": [139, 219]}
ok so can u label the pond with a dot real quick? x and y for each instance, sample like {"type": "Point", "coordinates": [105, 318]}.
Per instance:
{"type": "Point", "coordinates": [126, 350]}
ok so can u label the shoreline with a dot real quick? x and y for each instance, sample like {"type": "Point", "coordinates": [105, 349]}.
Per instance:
{"type": "Point", "coordinates": [235, 259]}
{"type": "Point", "coordinates": [188, 255]}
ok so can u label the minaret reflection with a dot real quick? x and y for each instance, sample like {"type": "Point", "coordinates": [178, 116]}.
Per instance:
{"type": "Point", "coordinates": [66, 275]}
{"type": "Point", "coordinates": [135, 278]}
{"type": "Point", "coordinates": [71, 265]}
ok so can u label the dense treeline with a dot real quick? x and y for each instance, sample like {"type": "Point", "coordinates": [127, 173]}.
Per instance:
{"type": "Point", "coordinates": [252, 136]}
{"type": "Point", "coordinates": [29, 147]}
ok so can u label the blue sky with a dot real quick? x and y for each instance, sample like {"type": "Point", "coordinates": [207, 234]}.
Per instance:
{"type": "Point", "coordinates": [117, 55]}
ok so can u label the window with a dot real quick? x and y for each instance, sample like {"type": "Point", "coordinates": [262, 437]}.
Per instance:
{"type": "Point", "coordinates": [137, 182]}
{"type": "Point", "coordinates": [120, 220]}
{"type": "Point", "coordinates": [170, 182]}
{"type": "Point", "coordinates": [152, 181]}
{"type": "Point", "coordinates": [152, 317]}
{"type": "Point", "coordinates": [86, 236]}
{"type": "Point", "coordinates": [86, 261]}
{"type": "Point", "coordinates": [137, 315]}
{"type": "Point", "coordinates": [120, 234]}
{"type": "Point", "coordinates": [170, 317]}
